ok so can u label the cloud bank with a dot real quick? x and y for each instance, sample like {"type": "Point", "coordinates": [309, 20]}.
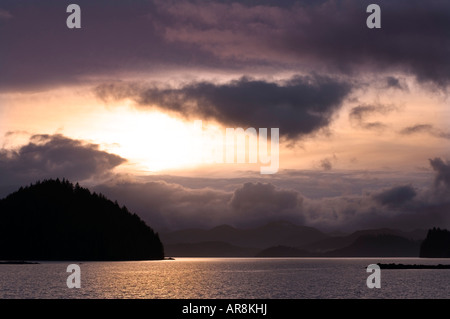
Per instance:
{"type": "Point", "coordinates": [120, 38]}
{"type": "Point", "coordinates": [298, 106]}
{"type": "Point", "coordinates": [169, 205]}
{"type": "Point", "coordinates": [47, 156]}
{"type": "Point", "coordinates": [171, 202]}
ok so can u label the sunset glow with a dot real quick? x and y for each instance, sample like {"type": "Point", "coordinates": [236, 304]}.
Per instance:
{"type": "Point", "coordinates": [224, 150]}
{"type": "Point", "coordinates": [114, 104]}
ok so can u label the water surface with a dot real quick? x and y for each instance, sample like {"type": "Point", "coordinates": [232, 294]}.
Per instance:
{"type": "Point", "coordinates": [280, 278]}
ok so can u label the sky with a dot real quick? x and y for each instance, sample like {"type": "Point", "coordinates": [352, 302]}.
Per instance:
{"type": "Point", "coordinates": [137, 102]}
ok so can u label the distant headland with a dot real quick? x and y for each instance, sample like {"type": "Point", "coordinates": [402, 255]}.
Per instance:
{"type": "Point", "coordinates": [436, 244]}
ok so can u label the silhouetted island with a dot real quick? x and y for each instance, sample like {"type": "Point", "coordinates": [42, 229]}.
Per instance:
{"type": "Point", "coordinates": [436, 244]}
{"type": "Point", "coordinates": [412, 266]}
{"type": "Point", "coordinates": [17, 262]}
{"type": "Point", "coordinates": [56, 220]}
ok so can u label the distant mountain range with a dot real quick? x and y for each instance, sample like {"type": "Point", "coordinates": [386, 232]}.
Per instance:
{"type": "Point", "coordinates": [275, 233]}
{"type": "Point", "coordinates": [284, 239]}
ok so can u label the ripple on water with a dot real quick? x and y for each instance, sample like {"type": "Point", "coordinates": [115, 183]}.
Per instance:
{"type": "Point", "coordinates": [280, 278]}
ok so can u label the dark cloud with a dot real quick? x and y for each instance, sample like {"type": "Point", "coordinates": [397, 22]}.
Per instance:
{"type": "Point", "coordinates": [418, 128]}
{"type": "Point", "coordinates": [172, 206]}
{"type": "Point", "coordinates": [396, 196]}
{"type": "Point", "coordinates": [359, 115]}
{"type": "Point", "coordinates": [122, 38]}
{"type": "Point", "coordinates": [374, 126]}
{"type": "Point", "coordinates": [442, 170]}
{"type": "Point", "coordinates": [425, 128]}
{"type": "Point", "coordinates": [326, 164]}
{"type": "Point", "coordinates": [331, 36]}
{"type": "Point", "coordinates": [395, 83]}
{"type": "Point", "coordinates": [361, 112]}
{"type": "Point", "coordinates": [264, 198]}
{"type": "Point", "coordinates": [299, 106]}
{"type": "Point", "coordinates": [51, 156]}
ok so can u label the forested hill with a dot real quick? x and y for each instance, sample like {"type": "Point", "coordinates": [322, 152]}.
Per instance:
{"type": "Point", "coordinates": [436, 244]}
{"type": "Point", "coordinates": [56, 220]}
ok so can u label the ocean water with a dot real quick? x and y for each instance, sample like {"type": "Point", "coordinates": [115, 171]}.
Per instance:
{"type": "Point", "coordinates": [186, 278]}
